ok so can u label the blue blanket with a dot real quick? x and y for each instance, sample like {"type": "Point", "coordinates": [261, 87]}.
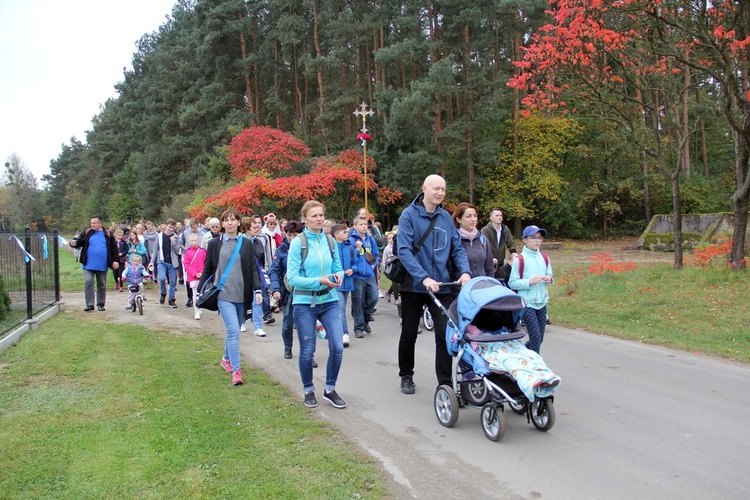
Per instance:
{"type": "Point", "coordinates": [527, 367]}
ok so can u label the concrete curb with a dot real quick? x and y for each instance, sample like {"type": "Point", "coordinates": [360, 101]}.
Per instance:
{"type": "Point", "coordinates": [30, 324]}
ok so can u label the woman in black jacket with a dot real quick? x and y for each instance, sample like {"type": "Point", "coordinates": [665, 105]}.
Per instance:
{"type": "Point", "coordinates": [241, 287]}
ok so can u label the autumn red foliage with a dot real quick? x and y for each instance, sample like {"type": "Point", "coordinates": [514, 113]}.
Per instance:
{"type": "Point", "coordinates": [708, 255]}
{"type": "Point", "coordinates": [606, 263]}
{"type": "Point", "coordinates": [616, 55]}
{"type": "Point", "coordinates": [264, 149]}
{"type": "Point", "coordinates": [259, 154]}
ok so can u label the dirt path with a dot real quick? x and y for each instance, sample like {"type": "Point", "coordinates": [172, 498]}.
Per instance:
{"type": "Point", "coordinates": [621, 249]}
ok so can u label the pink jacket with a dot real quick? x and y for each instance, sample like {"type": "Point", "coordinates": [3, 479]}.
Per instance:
{"type": "Point", "coordinates": [194, 259]}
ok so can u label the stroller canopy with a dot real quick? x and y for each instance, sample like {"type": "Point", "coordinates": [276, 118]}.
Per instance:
{"type": "Point", "coordinates": [486, 293]}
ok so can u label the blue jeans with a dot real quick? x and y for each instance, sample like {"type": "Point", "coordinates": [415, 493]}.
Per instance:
{"type": "Point", "coordinates": [287, 324]}
{"type": "Point", "coordinates": [364, 300]}
{"type": "Point", "coordinates": [343, 297]}
{"type": "Point", "coordinates": [259, 310]}
{"type": "Point", "coordinates": [329, 317]}
{"type": "Point", "coordinates": [167, 269]}
{"type": "Point", "coordinates": [536, 322]}
{"type": "Point", "coordinates": [233, 314]}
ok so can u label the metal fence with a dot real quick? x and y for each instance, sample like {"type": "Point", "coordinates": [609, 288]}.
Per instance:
{"type": "Point", "coordinates": [29, 276]}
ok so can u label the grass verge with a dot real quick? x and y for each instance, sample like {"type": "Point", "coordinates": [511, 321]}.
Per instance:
{"type": "Point", "coordinates": [94, 410]}
{"type": "Point", "coordinates": [697, 309]}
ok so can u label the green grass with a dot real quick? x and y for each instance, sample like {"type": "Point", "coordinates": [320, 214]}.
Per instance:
{"type": "Point", "coordinates": [695, 309]}
{"type": "Point", "coordinates": [71, 275]}
{"type": "Point", "coordinates": [108, 410]}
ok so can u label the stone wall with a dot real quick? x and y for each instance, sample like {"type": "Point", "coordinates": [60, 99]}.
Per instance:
{"type": "Point", "coordinates": [697, 230]}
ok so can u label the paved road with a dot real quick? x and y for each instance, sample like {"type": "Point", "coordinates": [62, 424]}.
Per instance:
{"type": "Point", "coordinates": [633, 421]}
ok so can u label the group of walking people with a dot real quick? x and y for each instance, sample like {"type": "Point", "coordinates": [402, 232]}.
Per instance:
{"type": "Point", "coordinates": [310, 268]}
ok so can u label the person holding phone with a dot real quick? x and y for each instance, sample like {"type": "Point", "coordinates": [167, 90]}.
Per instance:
{"type": "Point", "coordinates": [532, 285]}
{"type": "Point", "coordinates": [315, 298]}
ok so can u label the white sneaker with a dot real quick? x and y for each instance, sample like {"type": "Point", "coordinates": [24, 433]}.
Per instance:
{"type": "Point", "coordinates": [346, 340]}
{"type": "Point", "coordinates": [242, 328]}
{"type": "Point", "coordinates": [198, 315]}
{"type": "Point", "coordinates": [381, 295]}
{"type": "Point", "coordinates": [260, 333]}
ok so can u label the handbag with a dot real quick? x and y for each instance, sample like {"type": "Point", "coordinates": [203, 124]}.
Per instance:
{"type": "Point", "coordinates": [369, 257]}
{"type": "Point", "coordinates": [393, 268]}
{"type": "Point", "coordinates": [208, 295]}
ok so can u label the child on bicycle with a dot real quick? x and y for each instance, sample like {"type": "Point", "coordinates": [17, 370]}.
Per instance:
{"type": "Point", "coordinates": [133, 275]}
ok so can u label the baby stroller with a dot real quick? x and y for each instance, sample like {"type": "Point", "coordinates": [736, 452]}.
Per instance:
{"type": "Point", "coordinates": [491, 307]}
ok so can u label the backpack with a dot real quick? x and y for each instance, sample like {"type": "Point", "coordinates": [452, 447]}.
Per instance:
{"type": "Point", "coordinates": [520, 263]}
{"type": "Point", "coordinates": [303, 240]}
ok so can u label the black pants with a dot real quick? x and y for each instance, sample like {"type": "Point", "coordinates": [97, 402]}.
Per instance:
{"type": "Point", "coordinates": [411, 307]}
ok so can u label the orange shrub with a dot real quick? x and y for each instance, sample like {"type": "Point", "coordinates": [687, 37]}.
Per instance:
{"type": "Point", "coordinates": [606, 263]}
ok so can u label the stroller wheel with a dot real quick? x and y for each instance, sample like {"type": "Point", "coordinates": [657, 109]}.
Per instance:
{"type": "Point", "coordinates": [446, 406]}
{"type": "Point", "coordinates": [542, 414]}
{"type": "Point", "coordinates": [518, 409]}
{"type": "Point", "coordinates": [493, 422]}
{"type": "Point", "coordinates": [429, 324]}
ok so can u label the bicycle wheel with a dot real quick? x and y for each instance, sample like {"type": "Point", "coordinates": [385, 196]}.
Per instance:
{"type": "Point", "coordinates": [139, 301]}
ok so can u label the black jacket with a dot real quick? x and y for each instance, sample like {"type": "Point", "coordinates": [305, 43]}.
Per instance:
{"type": "Point", "coordinates": [82, 242]}
{"type": "Point", "coordinates": [246, 261]}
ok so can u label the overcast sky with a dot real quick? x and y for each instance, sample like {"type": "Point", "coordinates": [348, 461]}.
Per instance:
{"type": "Point", "coordinates": [59, 61]}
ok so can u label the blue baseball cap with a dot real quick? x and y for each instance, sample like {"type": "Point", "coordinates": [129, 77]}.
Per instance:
{"type": "Point", "coordinates": [532, 230]}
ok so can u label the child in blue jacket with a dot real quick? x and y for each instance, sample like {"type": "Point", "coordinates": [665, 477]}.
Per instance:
{"type": "Point", "coordinates": [347, 254]}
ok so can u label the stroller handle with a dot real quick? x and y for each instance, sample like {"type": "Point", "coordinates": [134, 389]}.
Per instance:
{"type": "Point", "coordinates": [450, 285]}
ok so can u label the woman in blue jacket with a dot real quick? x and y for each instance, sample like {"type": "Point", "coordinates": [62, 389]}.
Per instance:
{"type": "Point", "coordinates": [315, 299]}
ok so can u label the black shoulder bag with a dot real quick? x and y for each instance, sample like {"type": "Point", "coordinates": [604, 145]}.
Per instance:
{"type": "Point", "coordinates": [393, 268]}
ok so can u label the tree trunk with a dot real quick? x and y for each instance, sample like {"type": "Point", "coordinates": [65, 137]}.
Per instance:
{"type": "Point", "coordinates": [702, 130]}
{"type": "Point", "coordinates": [517, 56]}
{"type": "Point", "coordinates": [298, 110]}
{"type": "Point", "coordinates": [375, 46]}
{"type": "Point", "coordinates": [686, 123]}
{"type": "Point", "coordinates": [470, 164]}
{"type": "Point", "coordinates": [434, 28]}
{"type": "Point", "coordinates": [319, 68]}
{"type": "Point", "coordinates": [246, 74]}
{"type": "Point", "coordinates": [677, 221]}
{"type": "Point", "coordinates": [740, 200]}
{"type": "Point", "coordinates": [646, 195]}
{"type": "Point", "coordinates": [369, 76]}
{"type": "Point", "coordinates": [277, 80]}
{"type": "Point", "coordinates": [256, 71]}
{"type": "Point", "coordinates": [644, 164]}
{"type": "Point", "coordinates": [318, 57]}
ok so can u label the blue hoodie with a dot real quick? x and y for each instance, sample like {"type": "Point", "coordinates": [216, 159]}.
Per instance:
{"type": "Point", "coordinates": [348, 256]}
{"type": "Point", "coordinates": [442, 244]}
{"type": "Point", "coordinates": [363, 270]}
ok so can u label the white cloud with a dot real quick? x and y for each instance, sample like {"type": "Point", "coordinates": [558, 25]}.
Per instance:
{"type": "Point", "coordinates": [59, 62]}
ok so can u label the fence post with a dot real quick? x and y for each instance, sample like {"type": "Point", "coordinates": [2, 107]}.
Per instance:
{"type": "Point", "coordinates": [29, 284]}
{"type": "Point", "coordinates": [56, 255]}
